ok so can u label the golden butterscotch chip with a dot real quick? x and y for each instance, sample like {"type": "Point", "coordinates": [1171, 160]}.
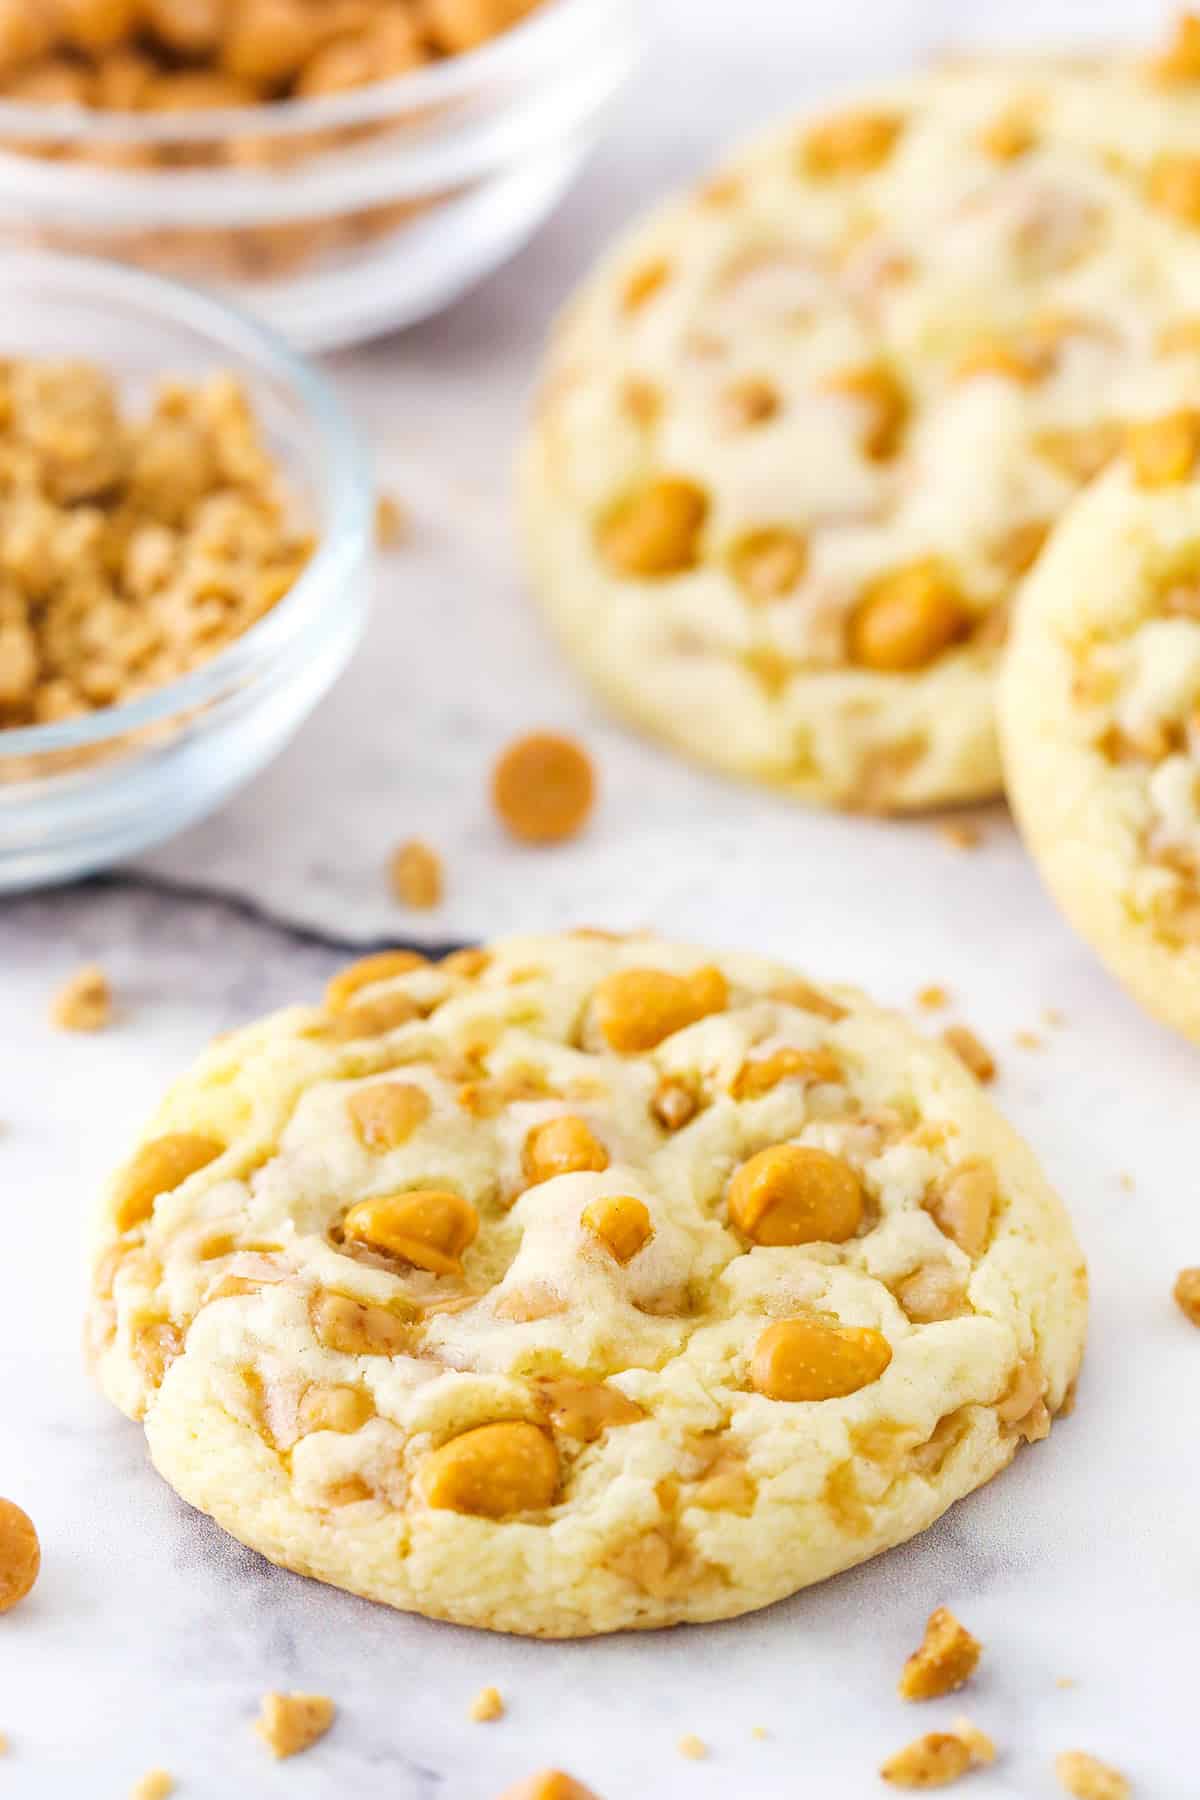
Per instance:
{"type": "Point", "coordinates": [751, 401]}
{"type": "Point", "coordinates": [763, 1074]}
{"type": "Point", "coordinates": [1009, 359]}
{"type": "Point", "coordinates": [933, 997]}
{"type": "Point", "coordinates": [586, 1409]}
{"type": "Point", "coordinates": [428, 1227]}
{"type": "Point", "coordinates": [155, 1784]}
{"type": "Point", "coordinates": [767, 564]}
{"type": "Point", "coordinates": [358, 1328]}
{"type": "Point", "coordinates": [1179, 63]}
{"type": "Point", "coordinates": [549, 1784]}
{"type": "Point", "coordinates": [20, 1554]}
{"type": "Point", "coordinates": [641, 284]}
{"type": "Point", "coordinates": [1173, 186]}
{"type": "Point", "coordinates": [1010, 134]}
{"type": "Point", "coordinates": [1081, 452]}
{"type": "Point", "coordinates": [344, 988]}
{"type": "Point", "coordinates": [939, 1758]}
{"type": "Point", "coordinates": [341, 1409]}
{"type": "Point", "coordinates": [1187, 1294]}
{"type": "Point", "coordinates": [805, 1359]}
{"type": "Point", "coordinates": [946, 1659]}
{"type": "Point", "coordinates": [543, 788]}
{"type": "Point", "coordinates": [416, 875]}
{"type": "Point", "coordinates": [636, 1009]}
{"type": "Point", "coordinates": [1087, 1778]}
{"type": "Point", "coordinates": [693, 1747]}
{"type": "Point", "coordinates": [486, 1706]}
{"type": "Point", "coordinates": [385, 1114]}
{"type": "Point", "coordinates": [493, 1471]}
{"type": "Point", "coordinates": [885, 401]}
{"type": "Point", "coordinates": [654, 532]}
{"type": "Point", "coordinates": [1164, 451]}
{"type": "Point", "coordinates": [290, 1723]}
{"type": "Point", "coordinates": [1022, 1407]}
{"type": "Point", "coordinates": [391, 522]}
{"type": "Point", "coordinates": [970, 1051]}
{"type": "Point", "coordinates": [561, 1147]}
{"type": "Point", "coordinates": [850, 143]}
{"type": "Point", "coordinates": [907, 618]}
{"type": "Point", "coordinates": [84, 1003]}
{"type": "Point", "coordinates": [159, 1167]}
{"type": "Point", "coordinates": [796, 1194]}
{"type": "Point", "coordinates": [622, 1224]}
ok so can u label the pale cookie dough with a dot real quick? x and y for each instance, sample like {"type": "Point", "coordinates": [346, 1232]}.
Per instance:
{"type": "Point", "coordinates": [1101, 718]}
{"type": "Point", "coordinates": [582, 1283]}
{"type": "Point", "coordinates": [805, 429]}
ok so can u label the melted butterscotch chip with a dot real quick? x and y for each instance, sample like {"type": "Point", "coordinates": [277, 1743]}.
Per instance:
{"type": "Point", "coordinates": [290, 1723]}
{"type": "Point", "coordinates": [945, 1661]}
{"type": "Point", "coordinates": [643, 283]}
{"type": "Point", "coordinates": [963, 1204]}
{"type": "Point", "coordinates": [769, 563]}
{"type": "Point", "coordinates": [654, 532]}
{"type": "Point", "coordinates": [1173, 186]}
{"type": "Point", "coordinates": [386, 1114]}
{"type": "Point", "coordinates": [586, 1409]}
{"type": "Point", "coordinates": [1022, 1409]}
{"type": "Point", "coordinates": [357, 1327]}
{"type": "Point", "coordinates": [675, 1103]}
{"type": "Point", "coordinates": [885, 402]}
{"type": "Point", "coordinates": [762, 1075]}
{"type": "Point", "coordinates": [20, 1554]}
{"type": "Point", "coordinates": [970, 1051]}
{"type": "Point", "coordinates": [851, 143]}
{"type": "Point", "coordinates": [543, 788]}
{"type": "Point", "coordinates": [494, 1471]}
{"type": "Point", "coordinates": [1010, 134]}
{"type": "Point", "coordinates": [84, 1003]}
{"type": "Point", "coordinates": [1164, 451]}
{"type": "Point", "coordinates": [749, 402]}
{"type": "Point", "coordinates": [1087, 1778]}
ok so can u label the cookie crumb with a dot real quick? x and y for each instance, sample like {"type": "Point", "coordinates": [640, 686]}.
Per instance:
{"type": "Point", "coordinates": [415, 871]}
{"type": "Point", "coordinates": [946, 1659]}
{"type": "Point", "coordinates": [970, 1051]}
{"type": "Point", "coordinates": [155, 1784]}
{"type": "Point", "coordinates": [1187, 1294]}
{"type": "Point", "coordinates": [486, 1706]}
{"type": "Point", "coordinates": [933, 998]}
{"type": "Point", "coordinates": [84, 1002]}
{"type": "Point", "coordinates": [1065, 1681]}
{"type": "Point", "coordinates": [20, 1554]}
{"type": "Point", "coordinates": [759, 1731]}
{"type": "Point", "coordinates": [290, 1723]}
{"type": "Point", "coordinates": [960, 834]}
{"type": "Point", "coordinates": [391, 522]}
{"type": "Point", "coordinates": [1088, 1779]}
{"type": "Point", "coordinates": [543, 787]}
{"type": "Point", "coordinates": [1028, 1040]}
{"type": "Point", "coordinates": [939, 1758]}
{"type": "Point", "coordinates": [1126, 1180]}
{"type": "Point", "coordinates": [692, 1747]}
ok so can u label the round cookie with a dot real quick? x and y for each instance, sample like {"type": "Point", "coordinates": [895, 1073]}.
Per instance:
{"type": "Point", "coordinates": [1101, 717]}
{"type": "Point", "coordinates": [803, 431]}
{"type": "Point", "coordinates": [582, 1283]}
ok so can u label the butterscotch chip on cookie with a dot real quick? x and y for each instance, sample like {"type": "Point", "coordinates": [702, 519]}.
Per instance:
{"type": "Point", "coordinates": [804, 431]}
{"type": "Point", "coordinates": [946, 1659]}
{"type": "Point", "coordinates": [454, 1279]}
{"type": "Point", "coordinates": [291, 1723]}
{"type": "Point", "coordinates": [1087, 1778]}
{"type": "Point", "coordinates": [1101, 721]}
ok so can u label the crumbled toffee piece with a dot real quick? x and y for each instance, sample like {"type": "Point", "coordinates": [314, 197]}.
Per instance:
{"type": "Point", "coordinates": [946, 1659]}
{"type": "Point", "coordinates": [290, 1723]}
{"type": "Point", "coordinates": [939, 1758]}
{"type": "Point", "coordinates": [84, 1002]}
{"type": "Point", "coordinates": [1089, 1779]}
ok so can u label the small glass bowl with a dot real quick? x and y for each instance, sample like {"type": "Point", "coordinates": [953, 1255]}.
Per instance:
{"type": "Point", "coordinates": [337, 218]}
{"type": "Point", "coordinates": [78, 795]}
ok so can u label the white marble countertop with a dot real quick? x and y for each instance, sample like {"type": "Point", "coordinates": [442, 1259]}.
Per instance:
{"type": "Point", "coordinates": [151, 1636]}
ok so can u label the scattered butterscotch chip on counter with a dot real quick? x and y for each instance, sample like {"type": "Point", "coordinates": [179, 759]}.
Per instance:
{"type": "Point", "coordinates": [1087, 1778]}
{"type": "Point", "coordinates": [543, 788]}
{"type": "Point", "coordinates": [960, 834]}
{"type": "Point", "coordinates": [945, 1660]}
{"type": "Point", "coordinates": [1187, 1294]}
{"type": "Point", "coordinates": [416, 874]}
{"type": "Point", "coordinates": [84, 1002]}
{"type": "Point", "coordinates": [970, 1051]}
{"type": "Point", "coordinates": [486, 1706]}
{"type": "Point", "coordinates": [20, 1554]}
{"type": "Point", "coordinates": [549, 1784]}
{"type": "Point", "coordinates": [694, 1748]}
{"type": "Point", "coordinates": [939, 1758]}
{"type": "Point", "coordinates": [933, 998]}
{"type": "Point", "coordinates": [391, 522]}
{"type": "Point", "coordinates": [155, 1784]}
{"type": "Point", "coordinates": [290, 1723]}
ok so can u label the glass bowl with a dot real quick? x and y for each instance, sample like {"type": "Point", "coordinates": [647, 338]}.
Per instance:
{"type": "Point", "coordinates": [340, 217]}
{"type": "Point", "coordinates": [80, 794]}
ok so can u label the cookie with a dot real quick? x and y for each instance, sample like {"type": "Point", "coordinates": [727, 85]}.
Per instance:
{"type": "Point", "coordinates": [805, 430]}
{"type": "Point", "coordinates": [582, 1283]}
{"type": "Point", "coordinates": [1101, 716]}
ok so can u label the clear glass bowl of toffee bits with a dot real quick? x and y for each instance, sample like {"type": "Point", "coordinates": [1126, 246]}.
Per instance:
{"type": "Point", "coordinates": [185, 537]}
{"type": "Point", "coordinates": [339, 167]}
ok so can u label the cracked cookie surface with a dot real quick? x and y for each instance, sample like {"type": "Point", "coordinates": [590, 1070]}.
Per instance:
{"type": "Point", "coordinates": [804, 431]}
{"type": "Point", "coordinates": [580, 1283]}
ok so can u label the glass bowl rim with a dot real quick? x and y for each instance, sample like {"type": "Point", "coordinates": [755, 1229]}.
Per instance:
{"type": "Point", "coordinates": [345, 481]}
{"type": "Point", "coordinates": [552, 28]}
